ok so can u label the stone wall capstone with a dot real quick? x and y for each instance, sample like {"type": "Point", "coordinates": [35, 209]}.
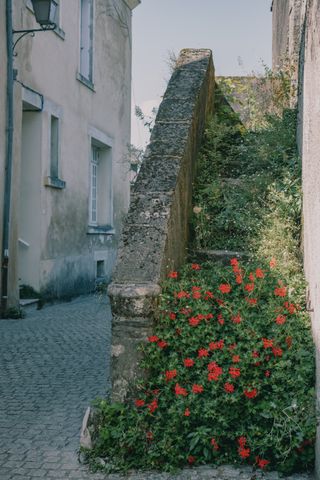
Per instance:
{"type": "Point", "coordinates": [155, 235]}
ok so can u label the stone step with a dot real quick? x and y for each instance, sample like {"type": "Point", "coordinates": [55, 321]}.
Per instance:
{"type": "Point", "coordinates": [223, 256]}
{"type": "Point", "coordinates": [25, 302]}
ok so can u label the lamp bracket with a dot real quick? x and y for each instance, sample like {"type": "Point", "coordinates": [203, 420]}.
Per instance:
{"type": "Point", "coordinates": [32, 31]}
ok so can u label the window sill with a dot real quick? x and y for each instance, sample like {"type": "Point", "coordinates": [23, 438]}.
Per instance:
{"type": "Point", "coordinates": [54, 182]}
{"type": "Point", "coordinates": [85, 81]}
{"type": "Point", "coordinates": [100, 230]}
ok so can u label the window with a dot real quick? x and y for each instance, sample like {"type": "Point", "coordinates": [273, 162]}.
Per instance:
{"type": "Point", "coordinates": [86, 39]}
{"type": "Point", "coordinates": [101, 196]}
{"type": "Point", "coordinates": [54, 147]}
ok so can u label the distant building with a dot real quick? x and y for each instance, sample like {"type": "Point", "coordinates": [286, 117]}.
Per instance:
{"type": "Point", "coordinates": [70, 178]}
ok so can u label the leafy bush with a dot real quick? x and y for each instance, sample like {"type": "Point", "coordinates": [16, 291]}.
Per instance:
{"type": "Point", "coordinates": [231, 377]}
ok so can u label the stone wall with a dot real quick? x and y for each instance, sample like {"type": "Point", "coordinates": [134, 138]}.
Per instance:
{"type": "Point", "coordinates": [305, 40]}
{"type": "Point", "coordinates": [155, 235]}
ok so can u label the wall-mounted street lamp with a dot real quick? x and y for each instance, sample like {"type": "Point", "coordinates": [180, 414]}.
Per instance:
{"type": "Point", "coordinates": [45, 12]}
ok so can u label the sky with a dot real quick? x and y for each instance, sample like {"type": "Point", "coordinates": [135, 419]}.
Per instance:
{"type": "Point", "coordinates": [237, 31]}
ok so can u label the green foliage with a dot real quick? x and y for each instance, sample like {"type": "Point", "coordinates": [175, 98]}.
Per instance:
{"type": "Point", "coordinates": [231, 357]}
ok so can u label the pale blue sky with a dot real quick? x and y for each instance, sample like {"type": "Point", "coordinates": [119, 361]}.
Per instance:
{"type": "Point", "coordinates": [233, 29]}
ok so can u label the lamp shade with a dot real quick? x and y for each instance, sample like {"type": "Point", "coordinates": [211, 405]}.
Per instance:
{"type": "Point", "coordinates": [45, 11]}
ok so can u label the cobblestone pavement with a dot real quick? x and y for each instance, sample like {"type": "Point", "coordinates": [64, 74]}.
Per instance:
{"type": "Point", "coordinates": [52, 364]}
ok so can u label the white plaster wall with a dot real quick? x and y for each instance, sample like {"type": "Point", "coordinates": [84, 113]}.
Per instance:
{"type": "Point", "coordinates": [3, 61]}
{"type": "Point", "coordinates": [310, 105]}
{"type": "Point", "coordinates": [49, 64]}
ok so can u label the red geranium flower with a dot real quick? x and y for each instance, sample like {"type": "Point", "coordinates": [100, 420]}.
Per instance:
{"type": "Point", "coordinates": [194, 321]}
{"type": "Point", "coordinates": [153, 405]}
{"type": "Point", "coordinates": [251, 277]}
{"type": "Point", "coordinates": [188, 362]}
{"type": "Point", "coordinates": [153, 339]}
{"type": "Point", "coordinates": [251, 301]}
{"type": "Point", "coordinates": [255, 354]}
{"type": "Point", "coordinates": [225, 288]}
{"type": "Point", "coordinates": [280, 291]}
{"type": "Point", "coordinates": [234, 372]}
{"type": "Point", "coordinates": [187, 412]}
{"type": "Point", "coordinates": [139, 403]}
{"type": "Point", "coordinates": [239, 279]}
{"type": "Point", "coordinates": [220, 319]}
{"type": "Point", "coordinates": [170, 374]}
{"type": "Point", "coordinates": [214, 371]}
{"type": "Point", "coordinates": [180, 391]}
{"type": "Point", "coordinates": [281, 319]}
{"type": "Point", "coordinates": [273, 263]}
{"type": "Point", "coordinates": [236, 319]}
{"type": "Point", "coordinates": [214, 443]}
{"type": "Point", "coordinates": [244, 452]}
{"type": "Point", "coordinates": [195, 266]}
{"type": "Point", "coordinates": [242, 441]}
{"type": "Point", "coordinates": [234, 262]}
{"type": "Point", "coordinates": [216, 345]}
{"type": "Point", "coordinates": [261, 462]}
{"type": "Point", "coordinates": [235, 359]}
{"type": "Point", "coordinates": [162, 344]}
{"type": "Point", "coordinates": [172, 316]}
{"type": "Point", "coordinates": [267, 373]}
{"type": "Point", "coordinates": [191, 459]}
{"type": "Point", "coordinates": [173, 275]}
{"type": "Point", "coordinates": [197, 388]}
{"type": "Point", "coordinates": [183, 294]}
{"type": "Point", "coordinates": [229, 388]}
{"type": "Point", "coordinates": [267, 343]}
{"type": "Point", "coordinates": [249, 287]}
{"type": "Point", "coordinates": [208, 295]}
{"type": "Point", "coordinates": [196, 295]}
{"type": "Point", "coordinates": [202, 352]}
{"type": "Point", "coordinates": [259, 273]}
{"type": "Point", "coordinates": [251, 393]}
{"type": "Point", "coordinates": [277, 351]}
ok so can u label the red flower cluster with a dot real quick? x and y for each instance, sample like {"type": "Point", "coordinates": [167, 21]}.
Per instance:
{"type": "Point", "coordinates": [202, 352]}
{"type": "Point", "coordinates": [139, 403]}
{"type": "Point", "coordinates": [180, 391]}
{"type": "Point", "coordinates": [214, 371]}
{"type": "Point", "coordinates": [228, 387]}
{"type": "Point", "coordinates": [280, 291]}
{"type": "Point", "coordinates": [234, 372]}
{"type": "Point", "coordinates": [170, 374]}
{"type": "Point", "coordinates": [197, 388]}
{"type": "Point", "coordinates": [214, 443]}
{"type": "Point", "coordinates": [251, 393]}
{"type": "Point", "coordinates": [195, 266]}
{"type": "Point", "coordinates": [281, 319]}
{"type": "Point", "coordinates": [173, 275]}
{"type": "Point", "coordinates": [188, 362]}
{"type": "Point", "coordinates": [216, 345]}
{"type": "Point", "coordinates": [242, 450]}
{"type": "Point", "coordinates": [153, 406]}
{"type": "Point", "coordinates": [225, 288]}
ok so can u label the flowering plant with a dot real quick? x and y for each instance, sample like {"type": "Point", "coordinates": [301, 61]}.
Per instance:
{"type": "Point", "coordinates": [230, 376]}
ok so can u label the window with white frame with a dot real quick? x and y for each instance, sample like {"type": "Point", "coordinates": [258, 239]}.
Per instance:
{"type": "Point", "coordinates": [86, 39]}
{"type": "Point", "coordinates": [54, 147]}
{"type": "Point", "coordinates": [101, 195]}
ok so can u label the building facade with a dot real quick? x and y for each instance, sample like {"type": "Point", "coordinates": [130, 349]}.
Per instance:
{"type": "Point", "coordinates": [303, 39]}
{"type": "Point", "coordinates": [70, 165]}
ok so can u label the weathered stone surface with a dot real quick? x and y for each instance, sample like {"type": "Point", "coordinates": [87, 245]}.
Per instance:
{"type": "Point", "coordinates": [158, 174]}
{"type": "Point", "coordinates": [155, 235]}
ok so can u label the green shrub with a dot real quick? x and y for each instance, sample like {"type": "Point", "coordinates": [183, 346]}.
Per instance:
{"type": "Point", "coordinates": [231, 375]}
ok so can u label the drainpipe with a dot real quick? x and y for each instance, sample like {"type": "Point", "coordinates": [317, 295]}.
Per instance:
{"type": "Point", "coordinates": [8, 166]}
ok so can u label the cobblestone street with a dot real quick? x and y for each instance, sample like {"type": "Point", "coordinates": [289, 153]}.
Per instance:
{"type": "Point", "coordinates": [52, 364]}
